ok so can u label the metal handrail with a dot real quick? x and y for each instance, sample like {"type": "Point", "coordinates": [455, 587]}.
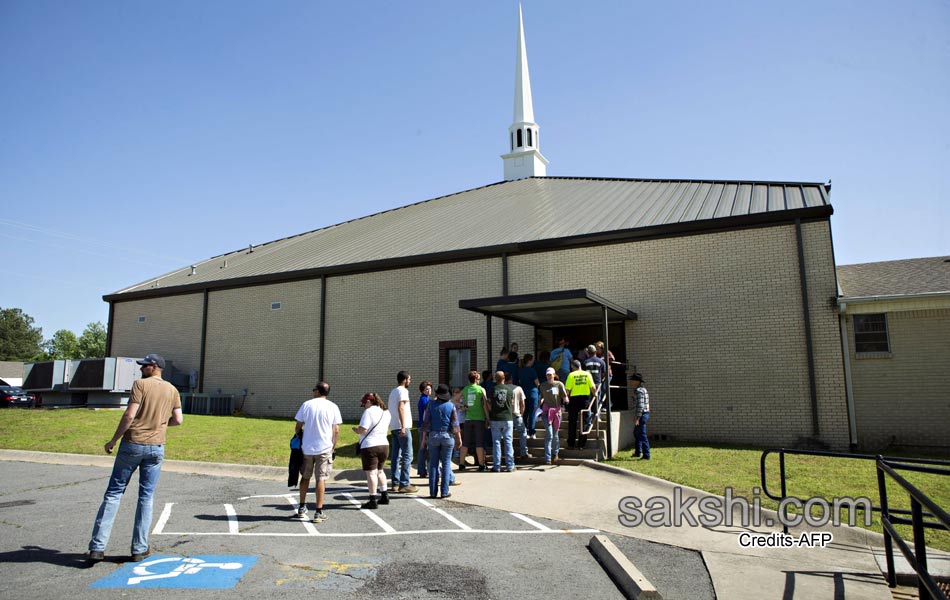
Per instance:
{"type": "Point", "coordinates": [909, 464]}
{"type": "Point", "coordinates": [927, 588]}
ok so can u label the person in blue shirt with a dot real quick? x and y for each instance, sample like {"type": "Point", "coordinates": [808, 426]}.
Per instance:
{"type": "Point", "coordinates": [487, 382]}
{"type": "Point", "coordinates": [541, 364]}
{"type": "Point", "coordinates": [425, 389]}
{"type": "Point", "coordinates": [561, 358]}
{"type": "Point", "coordinates": [530, 385]}
{"type": "Point", "coordinates": [597, 368]}
{"type": "Point", "coordinates": [511, 367]}
{"type": "Point", "coordinates": [502, 360]}
{"type": "Point", "coordinates": [440, 429]}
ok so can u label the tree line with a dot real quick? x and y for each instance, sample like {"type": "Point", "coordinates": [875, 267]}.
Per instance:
{"type": "Point", "coordinates": [21, 340]}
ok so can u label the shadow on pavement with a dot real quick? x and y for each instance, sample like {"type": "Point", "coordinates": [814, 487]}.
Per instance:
{"type": "Point", "coordinates": [38, 554]}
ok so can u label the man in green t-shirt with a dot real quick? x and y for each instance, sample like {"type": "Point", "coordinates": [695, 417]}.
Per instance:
{"type": "Point", "coordinates": [473, 401]}
{"type": "Point", "coordinates": [501, 415]}
{"type": "Point", "coordinates": [580, 385]}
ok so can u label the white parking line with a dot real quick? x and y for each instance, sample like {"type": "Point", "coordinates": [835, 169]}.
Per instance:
{"type": "Point", "coordinates": [381, 533]}
{"type": "Point", "coordinates": [376, 518]}
{"type": "Point", "coordinates": [295, 495]}
{"type": "Point", "coordinates": [531, 522]}
{"type": "Point", "coordinates": [452, 519]}
{"type": "Point", "coordinates": [232, 519]}
{"type": "Point", "coordinates": [163, 519]}
{"type": "Point", "coordinates": [311, 530]}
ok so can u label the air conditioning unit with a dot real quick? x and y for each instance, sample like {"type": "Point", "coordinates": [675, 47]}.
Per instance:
{"type": "Point", "coordinates": [112, 374]}
{"type": "Point", "coordinates": [46, 376]}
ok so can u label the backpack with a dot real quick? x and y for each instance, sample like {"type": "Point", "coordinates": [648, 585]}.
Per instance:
{"type": "Point", "coordinates": [558, 362]}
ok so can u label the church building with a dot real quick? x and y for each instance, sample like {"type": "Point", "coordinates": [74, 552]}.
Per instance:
{"type": "Point", "coordinates": [722, 293]}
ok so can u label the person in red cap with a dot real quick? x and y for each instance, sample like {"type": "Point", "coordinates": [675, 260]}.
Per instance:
{"type": "Point", "coordinates": [153, 406]}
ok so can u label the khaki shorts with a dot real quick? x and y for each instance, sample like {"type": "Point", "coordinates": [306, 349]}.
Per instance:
{"type": "Point", "coordinates": [318, 464]}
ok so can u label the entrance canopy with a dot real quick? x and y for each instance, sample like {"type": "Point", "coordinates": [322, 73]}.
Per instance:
{"type": "Point", "coordinates": [548, 310]}
{"type": "Point", "coordinates": [551, 309]}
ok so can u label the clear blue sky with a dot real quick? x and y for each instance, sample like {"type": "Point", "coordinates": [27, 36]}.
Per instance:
{"type": "Point", "coordinates": [140, 137]}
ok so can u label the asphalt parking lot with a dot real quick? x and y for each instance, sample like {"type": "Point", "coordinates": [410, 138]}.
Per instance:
{"type": "Point", "coordinates": [217, 536]}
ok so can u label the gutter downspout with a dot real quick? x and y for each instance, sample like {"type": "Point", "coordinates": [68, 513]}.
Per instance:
{"type": "Point", "coordinates": [504, 292]}
{"type": "Point", "coordinates": [204, 344]}
{"type": "Point", "coordinates": [809, 344]}
{"type": "Point", "coordinates": [323, 325]}
{"type": "Point", "coordinates": [848, 388]}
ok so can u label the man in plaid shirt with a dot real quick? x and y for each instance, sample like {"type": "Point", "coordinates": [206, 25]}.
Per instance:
{"type": "Point", "coordinates": [642, 404]}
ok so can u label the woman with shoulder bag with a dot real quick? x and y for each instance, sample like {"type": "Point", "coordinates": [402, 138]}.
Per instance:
{"type": "Point", "coordinates": [374, 447]}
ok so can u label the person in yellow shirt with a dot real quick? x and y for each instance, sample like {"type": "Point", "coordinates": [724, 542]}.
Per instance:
{"type": "Point", "coordinates": [579, 385]}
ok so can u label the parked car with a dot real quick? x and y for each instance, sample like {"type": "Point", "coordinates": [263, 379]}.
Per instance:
{"type": "Point", "coordinates": [13, 396]}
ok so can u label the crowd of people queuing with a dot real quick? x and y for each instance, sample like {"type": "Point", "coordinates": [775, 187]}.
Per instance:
{"type": "Point", "coordinates": [491, 407]}
{"type": "Point", "coordinates": [456, 423]}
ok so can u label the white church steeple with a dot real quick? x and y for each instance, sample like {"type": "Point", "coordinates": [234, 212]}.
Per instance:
{"type": "Point", "coordinates": [525, 158]}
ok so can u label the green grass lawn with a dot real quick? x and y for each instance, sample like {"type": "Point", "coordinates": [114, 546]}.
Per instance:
{"type": "Point", "coordinates": [712, 468]}
{"type": "Point", "coordinates": [202, 438]}
{"type": "Point", "coordinates": [266, 442]}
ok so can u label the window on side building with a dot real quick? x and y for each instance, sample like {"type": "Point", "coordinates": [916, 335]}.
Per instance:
{"type": "Point", "coordinates": [456, 359]}
{"type": "Point", "coordinates": [870, 334]}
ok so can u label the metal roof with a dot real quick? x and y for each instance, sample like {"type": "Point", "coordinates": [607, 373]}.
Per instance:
{"type": "Point", "coordinates": [551, 309]}
{"type": "Point", "coordinates": [908, 277]}
{"type": "Point", "coordinates": [527, 213]}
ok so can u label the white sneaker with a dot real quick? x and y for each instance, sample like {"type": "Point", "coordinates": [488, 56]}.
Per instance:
{"type": "Point", "coordinates": [300, 515]}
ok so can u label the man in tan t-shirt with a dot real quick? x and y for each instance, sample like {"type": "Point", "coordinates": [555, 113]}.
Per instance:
{"type": "Point", "coordinates": [153, 406]}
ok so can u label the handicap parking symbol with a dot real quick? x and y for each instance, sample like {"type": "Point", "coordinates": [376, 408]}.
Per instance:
{"type": "Point", "coordinates": [212, 572]}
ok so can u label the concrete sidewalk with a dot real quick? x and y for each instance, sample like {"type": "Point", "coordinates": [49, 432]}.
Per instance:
{"type": "Point", "coordinates": [589, 496]}
{"type": "Point", "coordinates": [844, 569]}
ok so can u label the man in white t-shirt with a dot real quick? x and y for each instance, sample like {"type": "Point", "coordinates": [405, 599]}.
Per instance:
{"type": "Point", "coordinates": [401, 425]}
{"type": "Point", "coordinates": [320, 421]}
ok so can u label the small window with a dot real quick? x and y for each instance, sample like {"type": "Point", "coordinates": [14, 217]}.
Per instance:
{"type": "Point", "coordinates": [870, 334]}
{"type": "Point", "coordinates": [142, 318]}
{"type": "Point", "coordinates": [512, 141]}
{"type": "Point", "coordinates": [519, 139]}
{"type": "Point", "coordinates": [529, 137]}
{"type": "Point", "coordinates": [275, 305]}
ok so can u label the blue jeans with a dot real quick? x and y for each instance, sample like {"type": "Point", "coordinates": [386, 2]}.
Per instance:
{"type": "Point", "coordinates": [519, 426]}
{"type": "Point", "coordinates": [440, 462]}
{"type": "Point", "coordinates": [401, 460]}
{"type": "Point", "coordinates": [501, 440]}
{"type": "Point", "coordinates": [640, 435]}
{"type": "Point", "coordinates": [423, 462]}
{"type": "Point", "coordinates": [552, 442]}
{"type": "Point", "coordinates": [530, 408]}
{"type": "Point", "coordinates": [148, 460]}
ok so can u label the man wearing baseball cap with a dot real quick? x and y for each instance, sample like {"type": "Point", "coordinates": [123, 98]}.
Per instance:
{"type": "Point", "coordinates": [153, 406]}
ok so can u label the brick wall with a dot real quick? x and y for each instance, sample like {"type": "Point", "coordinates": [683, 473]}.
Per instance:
{"type": "Point", "coordinates": [172, 328]}
{"type": "Point", "coordinates": [274, 354]}
{"type": "Point", "coordinates": [901, 398]}
{"type": "Point", "coordinates": [381, 323]}
{"type": "Point", "coordinates": [720, 337]}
